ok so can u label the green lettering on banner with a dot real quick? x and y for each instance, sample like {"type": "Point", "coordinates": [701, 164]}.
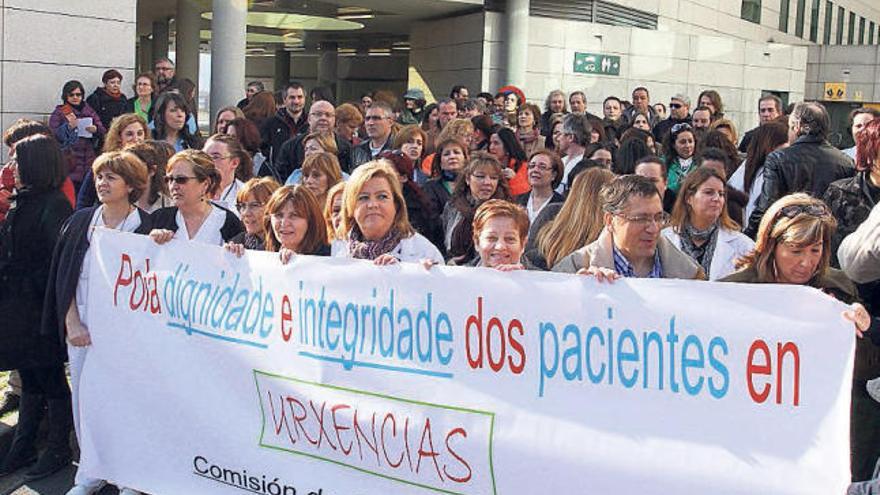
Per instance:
{"type": "Point", "coordinates": [596, 63]}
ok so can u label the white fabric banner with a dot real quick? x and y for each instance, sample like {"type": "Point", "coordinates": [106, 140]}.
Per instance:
{"type": "Point", "coordinates": [211, 374]}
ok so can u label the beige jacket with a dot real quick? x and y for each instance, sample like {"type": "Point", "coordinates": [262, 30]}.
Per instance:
{"type": "Point", "coordinates": [599, 253]}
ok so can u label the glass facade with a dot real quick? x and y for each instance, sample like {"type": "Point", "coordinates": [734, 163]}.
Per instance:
{"type": "Point", "coordinates": [799, 19]}
{"type": "Point", "coordinates": [751, 11]}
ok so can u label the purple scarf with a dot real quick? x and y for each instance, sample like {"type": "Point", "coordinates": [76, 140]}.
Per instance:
{"type": "Point", "coordinates": [363, 249]}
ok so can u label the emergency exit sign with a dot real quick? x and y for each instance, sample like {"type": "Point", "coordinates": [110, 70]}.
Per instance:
{"type": "Point", "coordinates": [596, 63]}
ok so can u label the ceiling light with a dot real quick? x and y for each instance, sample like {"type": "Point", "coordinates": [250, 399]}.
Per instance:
{"type": "Point", "coordinates": [287, 22]}
{"type": "Point", "coordinates": [254, 38]}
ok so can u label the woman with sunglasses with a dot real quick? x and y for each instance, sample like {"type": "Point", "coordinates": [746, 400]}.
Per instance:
{"type": "Point", "coordinates": [193, 180]}
{"type": "Point", "coordinates": [679, 144]}
{"type": "Point", "coordinates": [793, 247]}
{"type": "Point", "coordinates": [77, 128]}
{"type": "Point", "coordinates": [120, 179]}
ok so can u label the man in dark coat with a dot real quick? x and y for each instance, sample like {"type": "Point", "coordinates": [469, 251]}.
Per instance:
{"type": "Point", "coordinates": [322, 118]}
{"type": "Point", "coordinates": [378, 123]}
{"type": "Point", "coordinates": [287, 123]}
{"type": "Point", "coordinates": [809, 165]}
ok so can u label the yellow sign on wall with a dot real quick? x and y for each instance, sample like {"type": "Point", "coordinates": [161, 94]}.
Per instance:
{"type": "Point", "coordinates": [834, 91]}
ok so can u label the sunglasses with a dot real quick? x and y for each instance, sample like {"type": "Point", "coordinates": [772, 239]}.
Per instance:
{"type": "Point", "coordinates": [675, 105]}
{"type": "Point", "coordinates": [75, 95]}
{"type": "Point", "coordinates": [178, 179]}
{"type": "Point", "coordinates": [813, 210]}
{"type": "Point", "coordinates": [681, 127]}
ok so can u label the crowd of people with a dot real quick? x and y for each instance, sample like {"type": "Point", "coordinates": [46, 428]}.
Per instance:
{"type": "Point", "coordinates": [488, 181]}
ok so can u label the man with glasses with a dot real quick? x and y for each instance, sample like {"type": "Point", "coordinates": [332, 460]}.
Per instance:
{"type": "Point", "coordinates": [378, 124]}
{"type": "Point", "coordinates": [322, 118]}
{"type": "Point", "coordinates": [679, 113]}
{"type": "Point", "coordinates": [631, 245]}
{"type": "Point", "coordinates": [576, 130]}
{"type": "Point", "coordinates": [810, 164]}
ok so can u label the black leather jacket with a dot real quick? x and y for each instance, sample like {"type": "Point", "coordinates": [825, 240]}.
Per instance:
{"type": "Point", "coordinates": [809, 165]}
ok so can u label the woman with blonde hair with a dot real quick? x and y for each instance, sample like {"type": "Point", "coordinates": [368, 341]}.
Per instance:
{"type": "Point", "coordinates": [320, 172]}
{"type": "Point", "coordinates": [727, 127]}
{"type": "Point", "coordinates": [333, 213]}
{"type": "Point", "coordinates": [701, 227]}
{"type": "Point", "coordinates": [563, 228]}
{"type": "Point", "coordinates": [375, 221]}
{"type": "Point", "coordinates": [126, 130]}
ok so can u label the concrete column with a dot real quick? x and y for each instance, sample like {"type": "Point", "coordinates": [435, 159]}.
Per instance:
{"type": "Point", "coordinates": [328, 65]}
{"type": "Point", "coordinates": [160, 40]}
{"type": "Point", "coordinates": [282, 68]}
{"type": "Point", "coordinates": [516, 19]}
{"type": "Point", "coordinates": [188, 23]}
{"type": "Point", "coordinates": [228, 43]}
{"type": "Point", "coordinates": [145, 54]}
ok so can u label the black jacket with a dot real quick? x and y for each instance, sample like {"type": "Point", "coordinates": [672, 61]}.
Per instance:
{"type": "Point", "coordinates": [166, 218]}
{"type": "Point", "coordinates": [809, 165]}
{"type": "Point", "coordinates": [361, 153]}
{"type": "Point", "coordinates": [746, 139]}
{"type": "Point", "coordinates": [107, 107]}
{"type": "Point", "coordinates": [664, 126]}
{"type": "Point", "coordinates": [67, 260]}
{"type": "Point", "coordinates": [27, 239]}
{"type": "Point", "coordinates": [278, 129]}
{"type": "Point", "coordinates": [437, 195]}
{"type": "Point", "coordinates": [292, 154]}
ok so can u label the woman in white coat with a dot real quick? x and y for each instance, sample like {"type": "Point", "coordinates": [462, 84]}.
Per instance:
{"type": "Point", "coordinates": [701, 228]}
{"type": "Point", "coordinates": [375, 220]}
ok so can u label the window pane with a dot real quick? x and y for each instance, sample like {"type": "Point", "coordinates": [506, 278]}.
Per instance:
{"type": "Point", "coordinates": [862, 31]}
{"type": "Point", "coordinates": [751, 11]}
{"type": "Point", "coordinates": [799, 26]}
{"type": "Point", "coordinates": [840, 17]}
{"type": "Point", "coordinates": [829, 11]}
{"type": "Point", "coordinates": [851, 31]}
{"type": "Point", "coordinates": [814, 22]}
{"type": "Point", "coordinates": [783, 15]}
{"type": "Point", "coordinates": [871, 33]}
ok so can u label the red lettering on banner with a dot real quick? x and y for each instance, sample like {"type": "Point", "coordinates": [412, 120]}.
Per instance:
{"type": "Point", "coordinates": [765, 368]}
{"type": "Point", "coordinates": [143, 286]}
{"type": "Point", "coordinates": [376, 434]}
{"type": "Point", "coordinates": [286, 318]}
{"type": "Point", "coordinates": [492, 347]}
{"type": "Point", "coordinates": [753, 369]}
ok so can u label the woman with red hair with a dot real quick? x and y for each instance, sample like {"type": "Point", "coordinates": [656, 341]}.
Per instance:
{"type": "Point", "coordinates": [852, 199]}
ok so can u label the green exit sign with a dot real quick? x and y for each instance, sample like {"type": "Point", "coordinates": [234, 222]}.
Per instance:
{"type": "Point", "coordinates": [596, 63]}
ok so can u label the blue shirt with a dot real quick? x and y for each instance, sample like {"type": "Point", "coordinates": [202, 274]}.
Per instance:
{"type": "Point", "coordinates": [625, 269]}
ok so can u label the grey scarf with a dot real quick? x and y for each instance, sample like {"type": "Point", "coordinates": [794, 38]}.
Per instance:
{"type": "Point", "coordinates": [703, 253]}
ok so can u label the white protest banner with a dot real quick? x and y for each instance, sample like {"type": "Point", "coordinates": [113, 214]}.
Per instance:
{"type": "Point", "coordinates": [211, 374]}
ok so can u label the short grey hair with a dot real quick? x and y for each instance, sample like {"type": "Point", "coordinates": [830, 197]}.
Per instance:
{"type": "Point", "coordinates": [257, 84]}
{"type": "Point", "coordinates": [381, 105]}
{"type": "Point", "coordinates": [578, 126]}
{"type": "Point", "coordinates": [813, 119]}
{"type": "Point", "coordinates": [615, 194]}
{"type": "Point", "coordinates": [682, 98]}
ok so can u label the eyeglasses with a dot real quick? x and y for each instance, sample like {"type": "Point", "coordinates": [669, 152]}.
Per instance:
{"type": "Point", "coordinates": [675, 105]}
{"type": "Point", "coordinates": [178, 179]}
{"type": "Point", "coordinates": [813, 210]}
{"type": "Point", "coordinates": [322, 115]}
{"type": "Point", "coordinates": [644, 220]}
{"type": "Point", "coordinates": [253, 205]}
{"type": "Point", "coordinates": [681, 127]}
{"type": "Point", "coordinates": [75, 95]}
